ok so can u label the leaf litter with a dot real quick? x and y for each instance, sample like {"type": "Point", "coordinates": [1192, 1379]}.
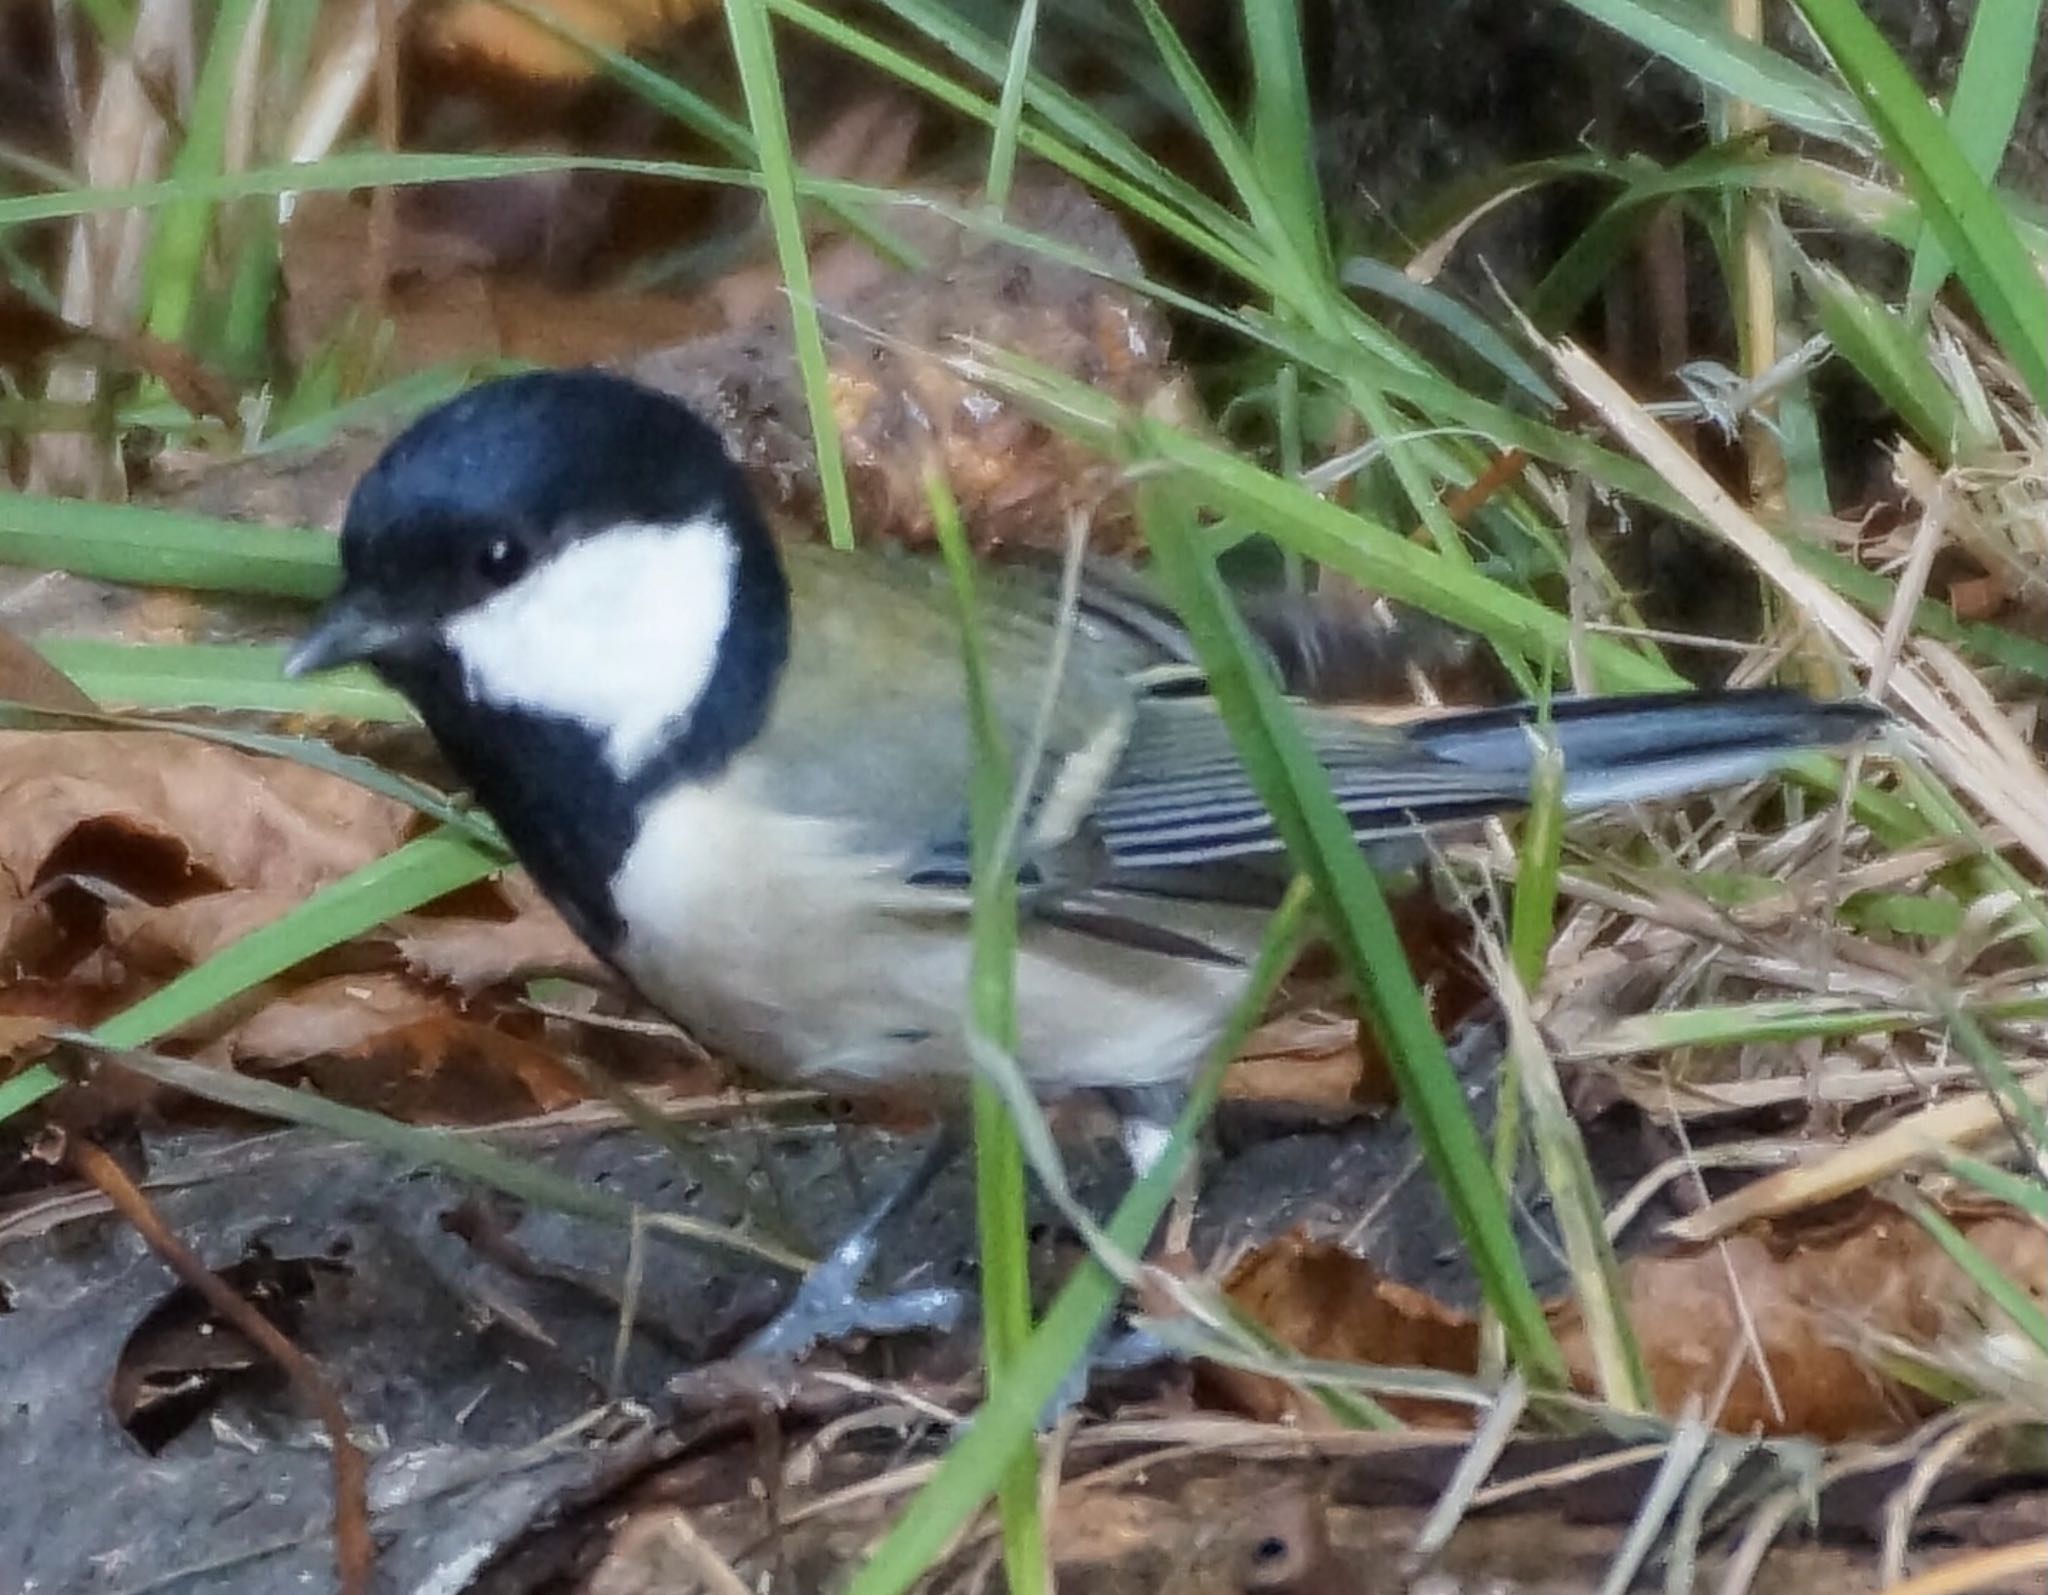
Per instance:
{"type": "Point", "coordinates": [120, 884]}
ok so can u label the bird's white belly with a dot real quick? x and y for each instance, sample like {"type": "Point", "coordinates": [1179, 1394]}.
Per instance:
{"type": "Point", "coordinates": [774, 945]}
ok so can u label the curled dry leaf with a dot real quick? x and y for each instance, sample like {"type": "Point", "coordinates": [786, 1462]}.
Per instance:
{"type": "Point", "coordinates": [110, 802]}
{"type": "Point", "coordinates": [1823, 1306]}
{"type": "Point", "coordinates": [379, 1041]}
{"type": "Point", "coordinates": [470, 953]}
{"type": "Point", "coordinates": [163, 939]}
{"type": "Point", "coordinates": [1304, 1057]}
{"type": "Point", "coordinates": [1328, 1303]}
{"type": "Point", "coordinates": [130, 857]}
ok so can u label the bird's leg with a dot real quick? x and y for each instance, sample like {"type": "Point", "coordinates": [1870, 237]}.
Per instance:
{"type": "Point", "coordinates": [1147, 1113]}
{"type": "Point", "coordinates": [1146, 1117]}
{"type": "Point", "coordinates": [828, 1305]}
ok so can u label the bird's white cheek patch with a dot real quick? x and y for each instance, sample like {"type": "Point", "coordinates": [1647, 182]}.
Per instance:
{"type": "Point", "coordinates": [620, 631]}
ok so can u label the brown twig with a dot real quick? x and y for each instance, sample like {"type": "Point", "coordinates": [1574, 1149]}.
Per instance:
{"type": "Point", "coordinates": [1501, 473]}
{"type": "Point", "coordinates": [353, 1551]}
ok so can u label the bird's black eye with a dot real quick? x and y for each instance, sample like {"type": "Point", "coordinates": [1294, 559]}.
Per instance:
{"type": "Point", "coordinates": [502, 561]}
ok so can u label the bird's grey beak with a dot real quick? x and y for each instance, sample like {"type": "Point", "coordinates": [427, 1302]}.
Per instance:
{"type": "Point", "coordinates": [345, 633]}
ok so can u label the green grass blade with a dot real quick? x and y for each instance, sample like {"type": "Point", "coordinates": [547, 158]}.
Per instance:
{"type": "Point", "coordinates": [1991, 85]}
{"type": "Point", "coordinates": [998, 1153]}
{"type": "Point", "coordinates": [1289, 275]}
{"type": "Point", "coordinates": [1890, 353]}
{"type": "Point", "coordinates": [165, 548]}
{"type": "Point", "coordinates": [2025, 1117]}
{"type": "Point", "coordinates": [1245, 493]}
{"type": "Point", "coordinates": [1002, 150]}
{"type": "Point", "coordinates": [178, 253]}
{"type": "Point", "coordinates": [1436, 306]}
{"type": "Point", "coordinates": [2003, 282]}
{"type": "Point", "coordinates": [1875, 593]}
{"type": "Point", "coordinates": [343, 173]}
{"type": "Point", "coordinates": [1695, 38]}
{"type": "Point", "coordinates": [753, 48]}
{"type": "Point", "coordinates": [698, 114]}
{"type": "Point", "coordinates": [1081, 141]}
{"type": "Point", "coordinates": [2006, 1294]}
{"type": "Point", "coordinates": [1533, 919]}
{"type": "Point", "coordinates": [2015, 1190]}
{"type": "Point", "coordinates": [1283, 129]}
{"type": "Point", "coordinates": [1296, 790]}
{"type": "Point", "coordinates": [1781, 1020]}
{"type": "Point", "coordinates": [224, 676]}
{"type": "Point", "coordinates": [391, 404]}
{"type": "Point", "coordinates": [1597, 1284]}
{"type": "Point", "coordinates": [416, 874]}
{"type": "Point", "coordinates": [1006, 1422]}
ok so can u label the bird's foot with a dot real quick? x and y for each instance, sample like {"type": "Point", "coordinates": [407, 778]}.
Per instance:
{"type": "Point", "coordinates": [829, 1306]}
{"type": "Point", "coordinates": [1115, 1351]}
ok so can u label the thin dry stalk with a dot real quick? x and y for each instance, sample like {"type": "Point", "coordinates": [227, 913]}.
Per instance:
{"type": "Point", "coordinates": [354, 1553]}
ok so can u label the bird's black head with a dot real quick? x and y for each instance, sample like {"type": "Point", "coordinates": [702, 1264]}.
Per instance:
{"type": "Point", "coordinates": [567, 576]}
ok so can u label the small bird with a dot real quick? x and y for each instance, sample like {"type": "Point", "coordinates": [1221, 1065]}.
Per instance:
{"type": "Point", "coordinates": [740, 769]}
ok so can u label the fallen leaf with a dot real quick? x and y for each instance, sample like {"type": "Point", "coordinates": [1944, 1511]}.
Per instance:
{"type": "Point", "coordinates": [470, 953]}
{"type": "Point", "coordinates": [1310, 1058]}
{"type": "Point", "coordinates": [1328, 1303]}
{"type": "Point", "coordinates": [459, 294]}
{"type": "Point", "coordinates": [1821, 1302]}
{"type": "Point", "coordinates": [179, 816]}
{"type": "Point", "coordinates": [380, 1041]}
{"type": "Point", "coordinates": [165, 940]}
{"type": "Point", "coordinates": [27, 678]}
{"type": "Point", "coordinates": [479, 32]}
{"type": "Point", "coordinates": [1819, 1307]}
{"type": "Point", "coordinates": [22, 1035]}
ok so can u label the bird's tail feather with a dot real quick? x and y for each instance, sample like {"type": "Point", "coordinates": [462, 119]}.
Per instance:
{"type": "Point", "coordinates": [1181, 800]}
{"type": "Point", "coordinates": [1624, 749]}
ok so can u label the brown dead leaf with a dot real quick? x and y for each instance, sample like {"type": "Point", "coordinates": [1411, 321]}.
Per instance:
{"type": "Point", "coordinates": [26, 677]}
{"type": "Point", "coordinates": [1819, 1307]}
{"type": "Point", "coordinates": [1328, 1303]}
{"type": "Point", "coordinates": [1822, 1303]}
{"type": "Point", "coordinates": [1979, 597]}
{"type": "Point", "coordinates": [381, 1042]}
{"type": "Point", "coordinates": [178, 816]}
{"type": "Point", "coordinates": [470, 953]}
{"type": "Point", "coordinates": [478, 32]}
{"type": "Point", "coordinates": [164, 940]}
{"type": "Point", "coordinates": [1310, 1058]}
{"type": "Point", "coordinates": [22, 1036]}
{"type": "Point", "coordinates": [458, 290]}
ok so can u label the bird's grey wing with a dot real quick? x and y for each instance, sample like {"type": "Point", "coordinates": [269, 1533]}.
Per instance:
{"type": "Point", "coordinates": [1181, 799]}
{"type": "Point", "coordinates": [1181, 802]}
